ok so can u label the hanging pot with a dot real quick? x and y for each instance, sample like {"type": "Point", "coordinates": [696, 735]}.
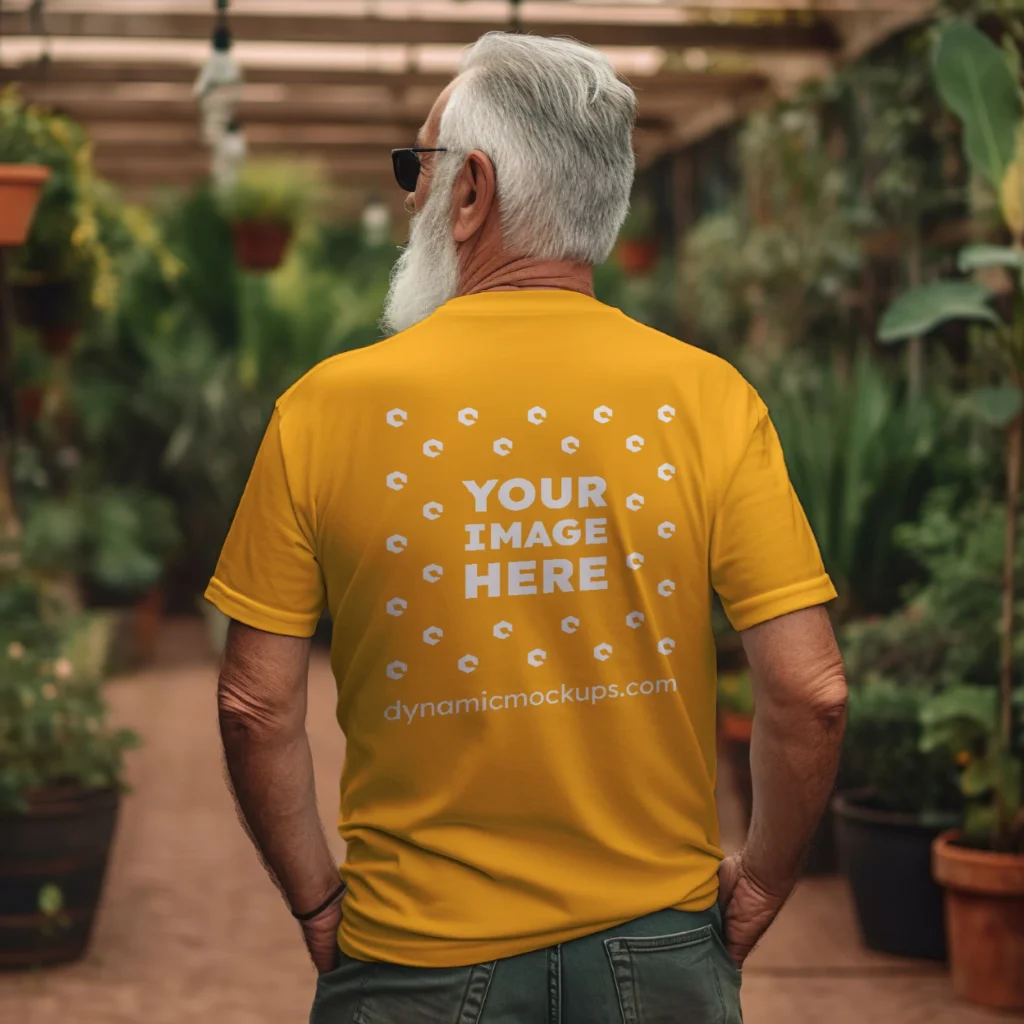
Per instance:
{"type": "Point", "coordinates": [20, 187]}
{"type": "Point", "coordinates": [638, 255]}
{"type": "Point", "coordinates": [260, 245]}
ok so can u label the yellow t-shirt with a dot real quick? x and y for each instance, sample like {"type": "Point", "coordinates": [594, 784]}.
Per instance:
{"type": "Point", "coordinates": [515, 513]}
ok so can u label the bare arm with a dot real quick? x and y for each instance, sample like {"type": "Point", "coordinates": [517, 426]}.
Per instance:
{"type": "Point", "coordinates": [800, 701]}
{"type": "Point", "coordinates": [261, 700]}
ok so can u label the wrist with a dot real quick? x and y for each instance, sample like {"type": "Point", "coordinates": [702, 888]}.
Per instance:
{"type": "Point", "coordinates": [768, 883]}
{"type": "Point", "coordinates": [308, 913]}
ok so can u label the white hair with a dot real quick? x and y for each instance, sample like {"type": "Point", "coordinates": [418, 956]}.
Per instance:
{"type": "Point", "coordinates": [557, 123]}
{"type": "Point", "coordinates": [426, 275]}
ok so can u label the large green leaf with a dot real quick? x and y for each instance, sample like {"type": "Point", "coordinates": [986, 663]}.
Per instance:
{"type": "Point", "coordinates": [927, 306]}
{"type": "Point", "coordinates": [980, 257]}
{"type": "Point", "coordinates": [973, 705]}
{"type": "Point", "coordinates": [975, 81]}
{"type": "Point", "coordinates": [997, 407]}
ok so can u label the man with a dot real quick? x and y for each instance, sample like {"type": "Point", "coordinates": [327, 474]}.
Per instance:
{"type": "Point", "coordinates": [515, 510]}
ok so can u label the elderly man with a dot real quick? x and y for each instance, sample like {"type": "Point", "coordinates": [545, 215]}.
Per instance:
{"type": "Point", "coordinates": [516, 509]}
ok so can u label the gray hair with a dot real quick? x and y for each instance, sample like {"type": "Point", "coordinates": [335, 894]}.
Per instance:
{"type": "Point", "coordinates": [557, 123]}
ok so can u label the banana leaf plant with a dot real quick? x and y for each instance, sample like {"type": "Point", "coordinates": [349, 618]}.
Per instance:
{"type": "Point", "coordinates": [980, 82]}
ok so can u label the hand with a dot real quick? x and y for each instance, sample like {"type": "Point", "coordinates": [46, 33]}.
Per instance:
{"type": "Point", "coordinates": [747, 907]}
{"type": "Point", "coordinates": [321, 935]}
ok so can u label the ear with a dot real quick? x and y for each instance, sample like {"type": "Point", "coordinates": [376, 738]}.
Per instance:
{"type": "Point", "coordinates": [474, 196]}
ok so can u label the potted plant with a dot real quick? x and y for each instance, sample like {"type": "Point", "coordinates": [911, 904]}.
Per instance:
{"type": "Point", "coordinates": [982, 867]}
{"type": "Point", "coordinates": [900, 800]}
{"type": "Point", "coordinates": [114, 543]}
{"type": "Point", "coordinates": [60, 784]}
{"type": "Point", "coordinates": [638, 247]}
{"type": "Point", "coordinates": [263, 207]}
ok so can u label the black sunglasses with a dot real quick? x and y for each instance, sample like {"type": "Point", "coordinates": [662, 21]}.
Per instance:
{"type": "Point", "coordinates": [407, 165]}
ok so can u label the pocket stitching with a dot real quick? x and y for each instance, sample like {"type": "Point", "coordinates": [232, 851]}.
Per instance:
{"type": "Point", "coordinates": [677, 940]}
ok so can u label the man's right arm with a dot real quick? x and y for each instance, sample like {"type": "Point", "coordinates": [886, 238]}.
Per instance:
{"type": "Point", "coordinates": [800, 714]}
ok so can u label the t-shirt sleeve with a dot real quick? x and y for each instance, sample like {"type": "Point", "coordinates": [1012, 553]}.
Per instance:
{"type": "Point", "coordinates": [268, 576]}
{"type": "Point", "coordinates": [764, 558]}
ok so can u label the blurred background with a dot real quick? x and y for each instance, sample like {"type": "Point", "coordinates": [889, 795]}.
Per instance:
{"type": "Point", "coordinates": [197, 205]}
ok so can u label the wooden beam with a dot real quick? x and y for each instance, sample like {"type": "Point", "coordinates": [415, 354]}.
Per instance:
{"type": "Point", "coordinates": [185, 133]}
{"type": "Point", "coordinates": [302, 27]}
{"type": "Point", "coordinates": [96, 107]}
{"type": "Point", "coordinates": [104, 73]}
{"type": "Point", "coordinates": [121, 167]}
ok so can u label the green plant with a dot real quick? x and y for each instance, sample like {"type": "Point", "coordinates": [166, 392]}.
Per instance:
{"type": "Point", "coordinates": [640, 221]}
{"type": "Point", "coordinates": [860, 455]}
{"type": "Point", "coordinates": [176, 387]}
{"type": "Point", "coordinates": [116, 540]}
{"type": "Point", "coordinates": [979, 81]}
{"type": "Point", "coordinates": [964, 722]}
{"type": "Point", "coordinates": [81, 229]}
{"type": "Point", "coordinates": [883, 752]}
{"type": "Point", "coordinates": [53, 720]}
{"type": "Point", "coordinates": [279, 192]}
{"type": "Point", "coordinates": [777, 266]}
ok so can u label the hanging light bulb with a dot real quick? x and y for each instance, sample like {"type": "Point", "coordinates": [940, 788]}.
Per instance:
{"type": "Point", "coordinates": [229, 153]}
{"type": "Point", "coordinates": [219, 85]}
{"type": "Point", "coordinates": [376, 222]}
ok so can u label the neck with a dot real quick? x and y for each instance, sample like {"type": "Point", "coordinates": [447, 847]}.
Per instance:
{"type": "Point", "coordinates": [515, 273]}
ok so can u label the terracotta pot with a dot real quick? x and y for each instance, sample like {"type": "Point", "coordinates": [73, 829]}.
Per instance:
{"type": "Point", "coordinates": [133, 632]}
{"type": "Point", "coordinates": [30, 403]}
{"type": "Point", "coordinates": [638, 255]}
{"type": "Point", "coordinates": [984, 921]}
{"type": "Point", "coordinates": [260, 245]}
{"type": "Point", "coordinates": [64, 841]}
{"type": "Point", "coordinates": [20, 187]}
{"type": "Point", "coordinates": [735, 727]}
{"type": "Point", "coordinates": [148, 618]}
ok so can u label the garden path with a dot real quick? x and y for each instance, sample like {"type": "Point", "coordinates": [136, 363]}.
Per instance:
{"type": "Point", "coordinates": [191, 931]}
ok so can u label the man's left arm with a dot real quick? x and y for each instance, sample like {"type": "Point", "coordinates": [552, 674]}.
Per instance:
{"type": "Point", "coordinates": [261, 701]}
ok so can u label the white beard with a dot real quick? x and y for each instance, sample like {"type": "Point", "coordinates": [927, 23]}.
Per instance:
{"type": "Point", "coordinates": [426, 275]}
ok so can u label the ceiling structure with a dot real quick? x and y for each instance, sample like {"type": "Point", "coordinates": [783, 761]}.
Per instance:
{"type": "Point", "coordinates": [344, 81]}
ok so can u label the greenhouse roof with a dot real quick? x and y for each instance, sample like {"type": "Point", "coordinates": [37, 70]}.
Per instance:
{"type": "Point", "coordinates": [344, 80]}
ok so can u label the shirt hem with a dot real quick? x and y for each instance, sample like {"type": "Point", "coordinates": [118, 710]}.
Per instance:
{"type": "Point", "coordinates": [442, 953]}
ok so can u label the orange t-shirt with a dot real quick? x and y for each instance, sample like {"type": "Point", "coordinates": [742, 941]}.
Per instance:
{"type": "Point", "coordinates": [516, 512]}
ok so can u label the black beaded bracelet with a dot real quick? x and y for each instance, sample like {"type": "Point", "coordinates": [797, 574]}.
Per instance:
{"type": "Point", "coordinates": [309, 915]}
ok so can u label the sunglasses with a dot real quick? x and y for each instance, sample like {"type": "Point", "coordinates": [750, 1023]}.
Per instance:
{"type": "Point", "coordinates": [408, 165]}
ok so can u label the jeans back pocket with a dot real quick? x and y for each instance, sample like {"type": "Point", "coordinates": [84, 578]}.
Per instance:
{"type": "Point", "coordinates": [673, 979]}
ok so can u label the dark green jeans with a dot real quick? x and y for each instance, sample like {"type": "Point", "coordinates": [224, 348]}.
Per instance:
{"type": "Point", "coordinates": [666, 968]}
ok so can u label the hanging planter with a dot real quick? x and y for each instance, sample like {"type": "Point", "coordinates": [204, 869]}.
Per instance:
{"type": "Point", "coordinates": [20, 188]}
{"type": "Point", "coordinates": [263, 205]}
{"type": "Point", "coordinates": [260, 245]}
{"type": "Point", "coordinates": [638, 256]}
